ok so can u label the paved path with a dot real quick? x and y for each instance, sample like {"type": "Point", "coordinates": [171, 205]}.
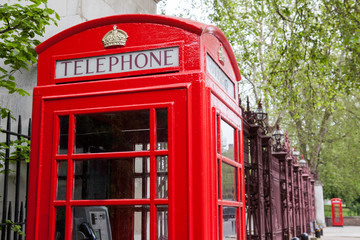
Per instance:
{"type": "Point", "coordinates": [341, 233]}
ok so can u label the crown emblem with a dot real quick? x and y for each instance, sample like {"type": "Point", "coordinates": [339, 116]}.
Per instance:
{"type": "Point", "coordinates": [115, 37]}
{"type": "Point", "coordinates": [221, 54]}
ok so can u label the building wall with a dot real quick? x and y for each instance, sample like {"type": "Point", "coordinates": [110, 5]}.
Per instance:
{"type": "Point", "coordinates": [347, 221]}
{"type": "Point", "coordinates": [72, 12]}
{"type": "Point", "coordinates": [319, 204]}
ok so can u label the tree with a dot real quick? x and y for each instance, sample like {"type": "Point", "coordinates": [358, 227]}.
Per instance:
{"type": "Point", "coordinates": [339, 165]}
{"type": "Point", "coordinates": [344, 18]}
{"type": "Point", "coordinates": [301, 58]}
{"type": "Point", "coordinates": [289, 58]}
{"type": "Point", "coordinates": [20, 25]}
{"type": "Point", "coordinates": [296, 58]}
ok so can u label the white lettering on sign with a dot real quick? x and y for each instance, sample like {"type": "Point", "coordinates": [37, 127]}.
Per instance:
{"type": "Point", "coordinates": [215, 71]}
{"type": "Point", "coordinates": [118, 63]}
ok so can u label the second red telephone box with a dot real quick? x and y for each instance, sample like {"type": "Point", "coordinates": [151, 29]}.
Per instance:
{"type": "Point", "coordinates": [137, 133]}
{"type": "Point", "coordinates": [336, 210]}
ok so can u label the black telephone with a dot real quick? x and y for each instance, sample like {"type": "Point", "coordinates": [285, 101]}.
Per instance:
{"type": "Point", "coordinates": [87, 230]}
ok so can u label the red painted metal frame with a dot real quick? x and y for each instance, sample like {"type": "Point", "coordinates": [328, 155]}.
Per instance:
{"type": "Point", "coordinates": [192, 96]}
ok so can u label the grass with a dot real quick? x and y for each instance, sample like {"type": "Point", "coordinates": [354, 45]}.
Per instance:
{"type": "Point", "coordinates": [346, 211]}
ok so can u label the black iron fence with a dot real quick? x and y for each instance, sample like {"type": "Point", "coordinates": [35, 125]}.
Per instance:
{"type": "Point", "coordinates": [14, 151]}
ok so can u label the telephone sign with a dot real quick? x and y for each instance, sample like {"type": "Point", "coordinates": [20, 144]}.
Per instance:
{"type": "Point", "coordinates": [137, 133]}
{"type": "Point", "coordinates": [117, 63]}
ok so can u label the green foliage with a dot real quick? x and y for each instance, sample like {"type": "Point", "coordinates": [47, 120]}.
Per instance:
{"type": "Point", "coordinates": [344, 17]}
{"type": "Point", "coordinates": [302, 58]}
{"type": "Point", "coordinates": [284, 50]}
{"type": "Point", "coordinates": [354, 208]}
{"type": "Point", "coordinates": [20, 24]}
{"type": "Point", "coordinates": [21, 151]}
{"type": "Point", "coordinates": [289, 57]}
{"type": "Point", "coordinates": [15, 228]}
{"type": "Point", "coordinates": [339, 165]}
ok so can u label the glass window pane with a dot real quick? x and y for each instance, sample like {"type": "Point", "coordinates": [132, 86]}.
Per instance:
{"type": "Point", "coordinates": [230, 220]}
{"type": "Point", "coordinates": [142, 177]}
{"type": "Point", "coordinates": [60, 223]}
{"type": "Point", "coordinates": [123, 178]}
{"type": "Point", "coordinates": [228, 182]}
{"type": "Point", "coordinates": [113, 132]}
{"type": "Point", "coordinates": [162, 129]}
{"type": "Point", "coordinates": [61, 180]}
{"type": "Point", "coordinates": [227, 140]}
{"type": "Point", "coordinates": [218, 74]}
{"type": "Point", "coordinates": [63, 134]}
{"type": "Point", "coordinates": [162, 176]}
{"type": "Point", "coordinates": [111, 222]}
{"type": "Point", "coordinates": [162, 222]}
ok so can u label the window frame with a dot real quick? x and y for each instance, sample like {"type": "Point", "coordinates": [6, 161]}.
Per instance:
{"type": "Point", "coordinates": [237, 163]}
{"type": "Point", "coordinates": [153, 202]}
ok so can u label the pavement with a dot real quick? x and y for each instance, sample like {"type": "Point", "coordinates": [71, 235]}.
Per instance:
{"type": "Point", "coordinates": [341, 233]}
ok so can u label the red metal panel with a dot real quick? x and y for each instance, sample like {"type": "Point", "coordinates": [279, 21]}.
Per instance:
{"type": "Point", "coordinates": [34, 180]}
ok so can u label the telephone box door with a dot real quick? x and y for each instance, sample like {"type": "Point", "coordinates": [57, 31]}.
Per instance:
{"type": "Point", "coordinates": [114, 166]}
{"type": "Point", "coordinates": [336, 208]}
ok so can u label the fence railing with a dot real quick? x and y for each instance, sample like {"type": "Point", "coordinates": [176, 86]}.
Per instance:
{"type": "Point", "coordinates": [14, 167]}
{"type": "Point", "coordinates": [280, 199]}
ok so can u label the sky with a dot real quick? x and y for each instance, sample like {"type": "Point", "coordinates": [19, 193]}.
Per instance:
{"type": "Point", "coordinates": [184, 8]}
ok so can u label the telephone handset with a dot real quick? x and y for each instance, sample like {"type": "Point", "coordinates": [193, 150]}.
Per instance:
{"type": "Point", "coordinates": [87, 230]}
{"type": "Point", "coordinates": [91, 223]}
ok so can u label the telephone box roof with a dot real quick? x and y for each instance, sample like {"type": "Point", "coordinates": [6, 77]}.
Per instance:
{"type": "Point", "coordinates": [185, 24]}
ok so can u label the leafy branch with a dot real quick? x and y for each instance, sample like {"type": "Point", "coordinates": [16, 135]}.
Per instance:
{"type": "Point", "coordinates": [21, 151]}
{"type": "Point", "coordinates": [14, 227]}
{"type": "Point", "coordinates": [20, 25]}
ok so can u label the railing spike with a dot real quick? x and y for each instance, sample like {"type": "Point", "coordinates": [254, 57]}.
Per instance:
{"type": "Point", "coordinates": [9, 217]}
{"type": "Point", "coordinates": [19, 125]}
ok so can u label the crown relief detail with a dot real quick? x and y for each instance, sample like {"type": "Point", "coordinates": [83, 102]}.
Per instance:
{"type": "Point", "coordinates": [115, 37]}
{"type": "Point", "coordinates": [221, 54]}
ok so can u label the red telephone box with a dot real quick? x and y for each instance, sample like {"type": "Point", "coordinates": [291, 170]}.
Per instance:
{"type": "Point", "coordinates": [336, 209]}
{"type": "Point", "coordinates": [137, 133]}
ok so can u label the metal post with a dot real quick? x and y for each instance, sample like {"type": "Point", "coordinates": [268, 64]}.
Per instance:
{"type": "Point", "coordinates": [21, 218]}
{"type": "Point", "coordinates": [291, 197]}
{"type": "Point", "coordinates": [17, 188]}
{"type": "Point", "coordinates": [8, 230]}
{"type": "Point", "coordinates": [269, 207]}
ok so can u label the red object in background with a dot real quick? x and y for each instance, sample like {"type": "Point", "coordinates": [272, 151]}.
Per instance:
{"type": "Point", "coordinates": [336, 209]}
{"type": "Point", "coordinates": [138, 140]}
